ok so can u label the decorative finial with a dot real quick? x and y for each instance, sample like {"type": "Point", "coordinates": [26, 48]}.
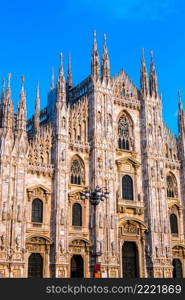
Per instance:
{"type": "Point", "coordinates": [22, 82]}
{"type": "Point", "coordinates": [61, 59]}
{"type": "Point", "coordinates": [143, 53]}
{"type": "Point", "coordinates": [152, 54]}
{"type": "Point", "coordinates": [179, 94]}
{"type": "Point", "coordinates": [105, 37]}
{"type": "Point", "coordinates": [9, 77]}
{"type": "Point", "coordinates": [69, 62]}
{"type": "Point", "coordinates": [3, 85]}
{"type": "Point", "coordinates": [52, 79]}
{"type": "Point", "coordinates": [94, 33]}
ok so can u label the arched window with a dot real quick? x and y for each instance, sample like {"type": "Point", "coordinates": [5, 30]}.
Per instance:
{"type": "Point", "coordinates": [77, 172]}
{"type": "Point", "coordinates": [127, 188]}
{"type": "Point", "coordinates": [35, 265]}
{"type": "Point", "coordinates": [77, 215]}
{"type": "Point", "coordinates": [171, 186]}
{"type": "Point", "coordinates": [124, 133]}
{"type": "Point", "coordinates": [37, 211]}
{"type": "Point", "coordinates": [173, 223]}
{"type": "Point", "coordinates": [177, 268]}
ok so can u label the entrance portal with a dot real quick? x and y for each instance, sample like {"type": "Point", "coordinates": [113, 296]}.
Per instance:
{"type": "Point", "coordinates": [177, 268]}
{"type": "Point", "coordinates": [130, 260]}
{"type": "Point", "coordinates": [35, 265]}
{"type": "Point", "coordinates": [77, 266]}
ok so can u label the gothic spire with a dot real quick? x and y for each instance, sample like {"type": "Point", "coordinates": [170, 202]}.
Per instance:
{"type": "Point", "coordinates": [8, 116]}
{"type": "Point", "coordinates": [105, 62]}
{"type": "Point", "coordinates": [37, 110]}
{"type": "Point", "coordinates": [3, 91]}
{"type": "Point", "coordinates": [61, 82]}
{"type": "Point", "coordinates": [69, 74]}
{"type": "Point", "coordinates": [153, 78]}
{"type": "Point", "coordinates": [95, 62]}
{"type": "Point", "coordinates": [143, 76]}
{"type": "Point", "coordinates": [179, 100]}
{"type": "Point", "coordinates": [52, 79]}
{"type": "Point", "coordinates": [21, 125]}
{"type": "Point", "coordinates": [181, 124]}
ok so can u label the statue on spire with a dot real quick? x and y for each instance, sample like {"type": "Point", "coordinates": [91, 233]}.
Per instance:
{"type": "Point", "coordinates": [52, 79]}
{"type": "Point", "coordinates": [69, 75]}
{"type": "Point", "coordinates": [3, 91]}
{"type": "Point", "coordinates": [8, 112]}
{"type": "Point", "coordinates": [95, 62]}
{"type": "Point", "coordinates": [153, 78]}
{"type": "Point", "coordinates": [21, 125]}
{"type": "Point", "coordinates": [181, 121]}
{"type": "Point", "coordinates": [105, 63]}
{"type": "Point", "coordinates": [37, 110]}
{"type": "Point", "coordinates": [144, 76]}
{"type": "Point", "coordinates": [61, 82]}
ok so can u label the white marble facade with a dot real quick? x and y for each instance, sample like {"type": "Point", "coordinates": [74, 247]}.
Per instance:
{"type": "Point", "coordinates": [101, 132]}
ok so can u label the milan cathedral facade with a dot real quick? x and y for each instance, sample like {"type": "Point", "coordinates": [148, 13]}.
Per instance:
{"type": "Point", "coordinates": [103, 137]}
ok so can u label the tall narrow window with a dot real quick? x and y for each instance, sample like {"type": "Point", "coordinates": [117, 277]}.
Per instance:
{"type": "Point", "coordinates": [124, 133]}
{"type": "Point", "coordinates": [173, 223]}
{"type": "Point", "coordinates": [127, 188]}
{"type": "Point", "coordinates": [35, 265]}
{"type": "Point", "coordinates": [77, 172]}
{"type": "Point", "coordinates": [37, 211]}
{"type": "Point", "coordinates": [77, 215]}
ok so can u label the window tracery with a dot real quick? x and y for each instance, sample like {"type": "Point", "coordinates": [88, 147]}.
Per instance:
{"type": "Point", "coordinates": [77, 171]}
{"type": "Point", "coordinates": [171, 187]}
{"type": "Point", "coordinates": [124, 133]}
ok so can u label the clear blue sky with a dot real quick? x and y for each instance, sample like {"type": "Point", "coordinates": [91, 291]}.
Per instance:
{"type": "Point", "coordinates": [33, 33]}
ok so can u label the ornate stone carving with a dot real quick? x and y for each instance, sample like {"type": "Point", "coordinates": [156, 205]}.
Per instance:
{"type": "Point", "coordinates": [18, 240]}
{"type": "Point", "coordinates": [130, 228]}
{"type": "Point", "coordinates": [4, 212]}
{"type": "Point", "coordinates": [113, 247]}
{"type": "Point", "coordinates": [112, 221]}
{"type": "Point", "coordinates": [18, 213]}
{"type": "Point", "coordinates": [3, 241]}
{"type": "Point", "coordinates": [99, 246]}
{"type": "Point", "coordinates": [101, 217]}
{"type": "Point", "coordinates": [62, 217]}
{"type": "Point", "coordinates": [61, 246]}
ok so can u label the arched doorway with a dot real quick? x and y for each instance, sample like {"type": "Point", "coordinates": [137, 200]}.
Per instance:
{"type": "Point", "coordinates": [35, 265]}
{"type": "Point", "coordinates": [77, 266]}
{"type": "Point", "coordinates": [177, 268]}
{"type": "Point", "coordinates": [130, 260]}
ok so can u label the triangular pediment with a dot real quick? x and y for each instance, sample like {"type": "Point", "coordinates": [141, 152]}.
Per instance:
{"type": "Point", "coordinates": [128, 160]}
